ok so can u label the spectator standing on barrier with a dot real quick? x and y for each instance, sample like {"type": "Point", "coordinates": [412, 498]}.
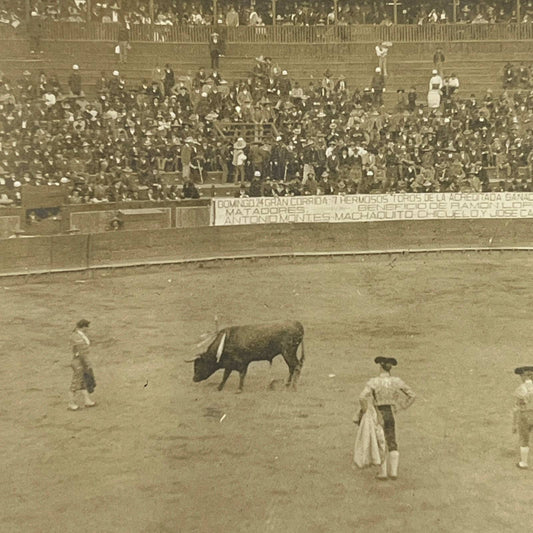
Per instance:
{"type": "Point", "coordinates": [187, 153]}
{"type": "Point", "coordinates": [35, 29]}
{"type": "Point", "coordinates": [508, 76]}
{"type": "Point", "coordinates": [378, 87]}
{"type": "Point", "coordinates": [83, 376]}
{"type": "Point", "coordinates": [382, 51]}
{"type": "Point", "coordinates": [74, 81]}
{"type": "Point", "coordinates": [215, 49]}
{"type": "Point", "coordinates": [523, 412]}
{"type": "Point", "coordinates": [434, 92]}
{"type": "Point", "coordinates": [412, 95]}
{"type": "Point", "coordinates": [123, 41]}
{"type": "Point", "coordinates": [387, 394]}
{"type": "Point", "coordinates": [438, 60]}
{"type": "Point", "coordinates": [169, 80]}
{"type": "Point", "coordinates": [453, 84]}
{"type": "Point", "coordinates": [239, 160]}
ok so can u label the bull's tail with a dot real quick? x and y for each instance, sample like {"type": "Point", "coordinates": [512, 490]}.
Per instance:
{"type": "Point", "coordinates": [302, 358]}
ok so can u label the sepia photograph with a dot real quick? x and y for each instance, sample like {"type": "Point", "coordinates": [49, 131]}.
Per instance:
{"type": "Point", "coordinates": [264, 266]}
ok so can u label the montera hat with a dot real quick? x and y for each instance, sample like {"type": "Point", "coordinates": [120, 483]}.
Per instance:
{"type": "Point", "coordinates": [523, 369]}
{"type": "Point", "coordinates": [82, 323]}
{"type": "Point", "coordinates": [385, 360]}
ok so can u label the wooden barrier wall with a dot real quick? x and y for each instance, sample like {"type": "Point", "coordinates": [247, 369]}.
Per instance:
{"type": "Point", "coordinates": [9, 225]}
{"type": "Point", "coordinates": [55, 253]}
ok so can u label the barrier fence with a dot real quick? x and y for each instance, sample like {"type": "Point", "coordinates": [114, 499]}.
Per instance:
{"type": "Point", "coordinates": [406, 33]}
{"type": "Point", "coordinates": [91, 252]}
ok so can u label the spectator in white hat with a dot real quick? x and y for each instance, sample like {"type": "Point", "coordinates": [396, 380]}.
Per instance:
{"type": "Point", "coordinates": [239, 159]}
{"type": "Point", "coordinates": [378, 87]}
{"type": "Point", "coordinates": [434, 92]}
{"type": "Point", "coordinates": [74, 81]}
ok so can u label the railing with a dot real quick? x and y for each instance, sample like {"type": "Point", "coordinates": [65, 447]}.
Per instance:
{"type": "Point", "coordinates": [95, 31]}
{"type": "Point", "coordinates": [249, 131]}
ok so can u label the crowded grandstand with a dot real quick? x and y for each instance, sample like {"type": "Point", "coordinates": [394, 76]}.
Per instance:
{"type": "Point", "coordinates": [291, 12]}
{"type": "Point", "coordinates": [269, 133]}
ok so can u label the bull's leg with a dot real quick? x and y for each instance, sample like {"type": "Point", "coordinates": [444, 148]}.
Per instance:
{"type": "Point", "coordinates": [225, 377]}
{"type": "Point", "coordinates": [289, 379]}
{"type": "Point", "coordinates": [296, 375]}
{"type": "Point", "coordinates": [242, 375]}
{"type": "Point", "coordinates": [294, 365]}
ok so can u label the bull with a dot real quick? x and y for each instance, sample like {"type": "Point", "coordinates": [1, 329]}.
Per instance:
{"type": "Point", "coordinates": [234, 348]}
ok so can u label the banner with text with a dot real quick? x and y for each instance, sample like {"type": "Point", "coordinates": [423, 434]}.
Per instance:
{"type": "Point", "coordinates": [371, 207]}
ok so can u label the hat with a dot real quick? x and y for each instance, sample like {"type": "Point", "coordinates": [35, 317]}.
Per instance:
{"type": "Point", "coordinates": [257, 174]}
{"type": "Point", "coordinates": [116, 73]}
{"type": "Point", "coordinates": [434, 71]}
{"type": "Point", "coordinates": [385, 361]}
{"type": "Point", "coordinates": [378, 69]}
{"type": "Point", "coordinates": [284, 73]}
{"type": "Point", "coordinates": [26, 73]}
{"type": "Point", "coordinates": [240, 144]}
{"type": "Point", "coordinates": [82, 323]}
{"type": "Point", "coordinates": [75, 67]}
{"type": "Point", "coordinates": [523, 369]}
{"type": "Point", "coordinates": [260, 59]}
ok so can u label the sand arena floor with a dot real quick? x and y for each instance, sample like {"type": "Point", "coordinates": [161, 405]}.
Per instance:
{"type": "Point", "coordinates": [157, 454]}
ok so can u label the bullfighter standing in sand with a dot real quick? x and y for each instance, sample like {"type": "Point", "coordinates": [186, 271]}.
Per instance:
{"type": "Point", "coordinates": [81, 366]}
{"type": "Point", "coordinates": [387, 393]}
{"type": "Point", "coordinates": [523, 412]}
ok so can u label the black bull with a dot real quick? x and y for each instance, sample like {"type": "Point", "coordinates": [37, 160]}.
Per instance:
{"type": "Point", "coordinates": [234, 348]}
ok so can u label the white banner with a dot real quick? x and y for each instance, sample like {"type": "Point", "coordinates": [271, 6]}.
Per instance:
{"type": "Point", "coordinates": [371, 208]}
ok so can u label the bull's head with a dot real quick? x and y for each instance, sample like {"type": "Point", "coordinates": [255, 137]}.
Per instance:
{"type": "Point", "coordinates": [203, 368]}
{"type": "Point", "coordinates": [207, 363]}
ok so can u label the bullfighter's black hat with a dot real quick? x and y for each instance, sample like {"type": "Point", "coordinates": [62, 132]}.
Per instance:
{"type": "Point", "coordinates": [522, 369]}
{"type": "Point", "coordinates": [82, 323]}
{"type": "Point", "coordinates": [385, 360]}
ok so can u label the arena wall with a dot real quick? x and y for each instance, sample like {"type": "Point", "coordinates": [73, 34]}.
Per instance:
{"type": "Point", "coordinates": [29, 255]}
{"type": "Point", "coordinates": [9, 224]}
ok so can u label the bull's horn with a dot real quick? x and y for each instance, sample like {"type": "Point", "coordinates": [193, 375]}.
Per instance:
{"type": "Point", "coordinates": [190, 360]}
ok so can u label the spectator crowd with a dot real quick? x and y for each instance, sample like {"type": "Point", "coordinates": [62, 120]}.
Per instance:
{"type": "Point", "coordinates": [127, 143]}
{"type": "Point", "coordinates": [288, 12]}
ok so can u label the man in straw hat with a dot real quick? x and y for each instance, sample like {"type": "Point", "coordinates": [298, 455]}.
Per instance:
{"type": "Point", "coordinates": [382, 50]}
{"type": "Point", "coordinates": [215, 49]}
{"type": "Point", "coordinates": [387, 394]}
{"type": "Point", "coordinates": [523, 412]}
{"type": "Point", "coordinates": [74, 81]}
{"type": "Point", "coordinates": [239, 159]}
